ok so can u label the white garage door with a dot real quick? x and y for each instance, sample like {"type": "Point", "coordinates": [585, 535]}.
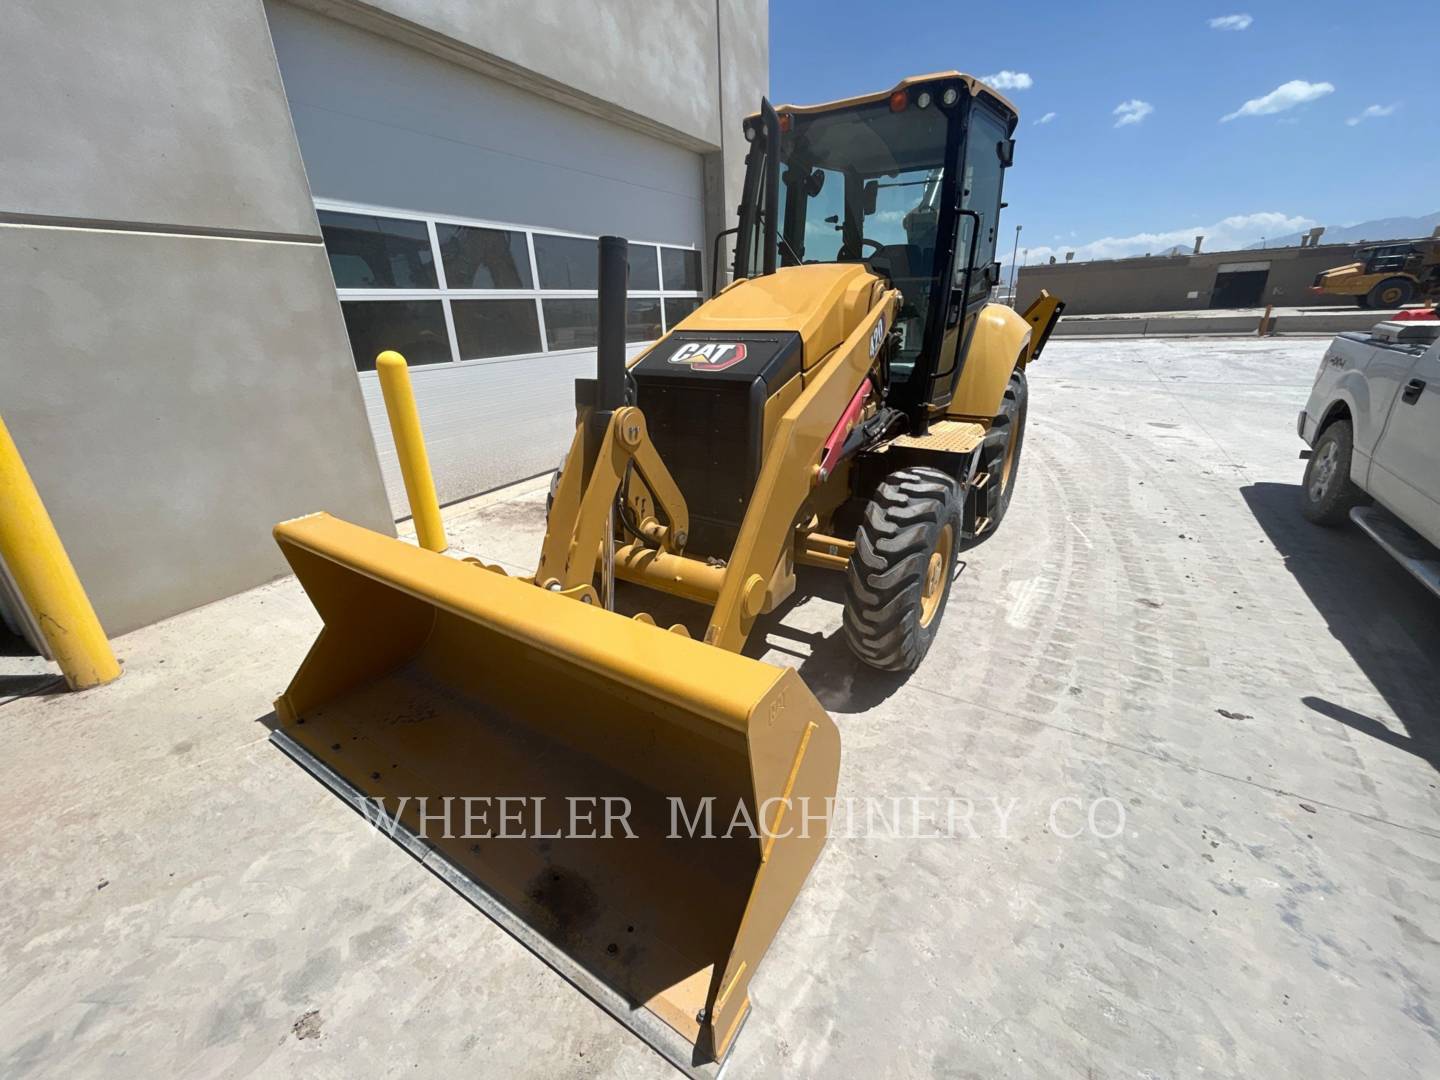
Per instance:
{"type": "Point", "coordinates": [460, 215]}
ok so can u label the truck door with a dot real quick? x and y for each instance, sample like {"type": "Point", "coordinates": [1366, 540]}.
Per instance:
{"type": "Point", "coordinates": [1405, 472]}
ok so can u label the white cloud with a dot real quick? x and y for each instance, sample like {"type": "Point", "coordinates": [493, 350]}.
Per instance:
{"type": "Point", "coordinates": [1231, 22]}
{"type": "Point", "coordinates": [1231, 233]}
{"type": "Point", "coordinates": [1046, 118]}
{"type": "Point", "coordinates": [1132, 111]}
{"type": "Point", "coordinates": [1009, 80]}
{"type": "Point", "coordinates": [1372, 111]}
{"type": "Point", "coordinates": [1285, 96]}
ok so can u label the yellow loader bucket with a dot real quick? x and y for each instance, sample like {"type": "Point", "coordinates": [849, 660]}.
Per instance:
{"type": "Point", "coordinates": [501, 731]}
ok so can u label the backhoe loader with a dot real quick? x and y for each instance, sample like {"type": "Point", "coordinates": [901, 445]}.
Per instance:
{"type": "Point", "coordinates": [851, 401]}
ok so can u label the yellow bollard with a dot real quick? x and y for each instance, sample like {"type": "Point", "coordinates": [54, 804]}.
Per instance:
{"type": "Point", "coordinates": [42, 571]}
{"type": "Point", "coordinates": [410, 448]}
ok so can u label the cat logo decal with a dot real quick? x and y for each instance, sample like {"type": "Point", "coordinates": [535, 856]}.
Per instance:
{"type": "Point", "coordinates": [709, 355]}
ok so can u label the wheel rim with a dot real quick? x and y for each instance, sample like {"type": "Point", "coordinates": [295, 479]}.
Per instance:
{"type": "Point", "coordinates": [1390, 295]}
{"type": "Point", "coordinates": [1324, 470]}
{"type": "Point", "coordinates": [935, 576]}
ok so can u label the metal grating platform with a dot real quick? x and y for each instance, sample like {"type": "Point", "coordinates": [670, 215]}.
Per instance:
{"type": "Point", "coordinates": [947, 436]}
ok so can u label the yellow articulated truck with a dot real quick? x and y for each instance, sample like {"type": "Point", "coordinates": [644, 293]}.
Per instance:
{"type": "Point", "coordinates": [1386, 275]}
{"type": "Point", "coordinates": [852, 402]}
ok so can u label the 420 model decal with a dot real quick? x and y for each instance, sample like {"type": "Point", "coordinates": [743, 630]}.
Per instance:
{"type": "Point", "coordinates": [709, 355]}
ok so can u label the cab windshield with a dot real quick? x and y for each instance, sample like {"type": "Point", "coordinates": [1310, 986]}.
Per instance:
{"type": "Point", "coordinates": [863, 184]}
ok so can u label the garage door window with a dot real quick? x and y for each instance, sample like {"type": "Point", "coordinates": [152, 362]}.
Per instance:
{"type": "Point", "coordinates": [413, 328]}
{"type": "Point", "coordinates": [483, 258]}
{"type": "Point", "coordinates": [567, 262]}
{"type": "Point", "coordinates": [441, 290]}
{"type": "Point", "coordinates": [368, 252]}
{"type": "Point", "coordinates": [642, 318]}
{"type": "Point", "coordinates": [677, 307]}
{"type": "Point", "coordinates": [682, 269]}
{"type": "Point", "coordinates": [644, 269]}
{"type": "Point", "coordinates": [572, 324]}
{"type": "Point", "coordinates": [486, 328]}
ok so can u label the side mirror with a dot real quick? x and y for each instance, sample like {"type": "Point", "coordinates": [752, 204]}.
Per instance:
{"type": "Point", "coordinates": [872, 193]}
{"type": "Point", "coordinates": [833, 219]}
{"type": "Point", "coordinates": [1006, 150]}
{"type": "Point", "coordinates": [814, 182]}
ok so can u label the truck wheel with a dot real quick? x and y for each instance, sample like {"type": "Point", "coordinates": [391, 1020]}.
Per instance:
{"type": "Point", "coordinates": [1328, 492]}
{"type": "Point", "coordinates": [1003, 444]}
{"type": "Point", "coordinates": [899, 577]}
{"type": "Point", "coordinates": [1362, 301]}
{"type": "Point", "coordinates": [1392, 293]}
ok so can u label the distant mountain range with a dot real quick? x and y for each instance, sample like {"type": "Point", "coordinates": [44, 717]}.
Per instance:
{"type": "Point", "coordinates": [1395, 228]}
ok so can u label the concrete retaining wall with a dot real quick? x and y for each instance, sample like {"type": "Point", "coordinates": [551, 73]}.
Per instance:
{"type": "Point", "coordinates": [176, 372]}
{"type": "Point", "coordinates": [1247, 322]}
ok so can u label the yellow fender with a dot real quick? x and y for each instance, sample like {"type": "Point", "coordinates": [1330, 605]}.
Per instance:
{"type": "Point", "coordinates": [1000, 344]}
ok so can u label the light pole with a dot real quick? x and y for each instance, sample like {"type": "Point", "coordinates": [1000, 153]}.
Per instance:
{"type": "Point", "coordinates": [1013, 255]}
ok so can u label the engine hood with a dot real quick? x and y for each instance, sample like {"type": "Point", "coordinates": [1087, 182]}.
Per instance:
{"type": "Point", "coordinates": [822, 302]}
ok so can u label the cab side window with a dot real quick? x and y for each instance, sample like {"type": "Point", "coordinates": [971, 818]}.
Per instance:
{"type": "Point", "coordinates": [980, 191]}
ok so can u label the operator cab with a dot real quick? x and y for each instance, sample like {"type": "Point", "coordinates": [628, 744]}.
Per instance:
{"type": "Point", "coordinates": [907, 182]}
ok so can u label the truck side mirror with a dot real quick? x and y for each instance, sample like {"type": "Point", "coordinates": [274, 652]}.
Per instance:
{"type": "Point", "coordinates": [1006, 150]}
{"type": "Point", "coordinates": [872, 193]}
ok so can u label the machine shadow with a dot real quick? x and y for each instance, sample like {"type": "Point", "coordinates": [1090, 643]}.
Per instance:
{"type": "Point", "coordinates": [18, 686]}
{"type": "Point", "coordinates": [1388, 623]}
{"type": "Point", "coordinates": [840, 681]}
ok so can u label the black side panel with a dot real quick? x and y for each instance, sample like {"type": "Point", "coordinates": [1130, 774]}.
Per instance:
{"type": "Point", "coordinates": [703, 396]}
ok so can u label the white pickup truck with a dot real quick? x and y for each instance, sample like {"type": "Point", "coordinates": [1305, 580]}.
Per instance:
{"type": "Point", "coordinates": [1373, 423]}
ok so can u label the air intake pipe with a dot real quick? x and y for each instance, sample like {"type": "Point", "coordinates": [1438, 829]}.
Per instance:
{"type": "Point", "coordinates": [610, 344]}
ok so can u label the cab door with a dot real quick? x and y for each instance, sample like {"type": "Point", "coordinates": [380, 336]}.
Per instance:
{"type": "Point", "coordinates": [981, 180]}
{"type": "Point", "coordinates": [1405, 469]}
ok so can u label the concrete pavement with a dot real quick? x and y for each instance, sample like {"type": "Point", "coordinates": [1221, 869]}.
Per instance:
{"type": "Point", "coordinates": [1246, 703]}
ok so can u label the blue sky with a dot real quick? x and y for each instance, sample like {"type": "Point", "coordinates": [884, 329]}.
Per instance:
{"type": "Point", "coordinates": [1303, 151]}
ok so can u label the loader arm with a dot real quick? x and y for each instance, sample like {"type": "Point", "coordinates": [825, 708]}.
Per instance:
{"type": "Point", "coordinates": [576, 529]}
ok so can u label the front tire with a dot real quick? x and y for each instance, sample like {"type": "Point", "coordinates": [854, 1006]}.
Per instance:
{"type": "Point", "coordinates": [899, 577]}
{"type": "Point", "coordinates": [1392, 293]}
{"type": "Point", "coordinates": [1328, 493]}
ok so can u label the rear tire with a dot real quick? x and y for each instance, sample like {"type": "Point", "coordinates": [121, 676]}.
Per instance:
{"type": "Point", "coordinates": [1392, 293]}
{"type": "Point", "coordinates": [1328, 493]}
{"type": "Point", "coordinates": [1003, 444]}
{"type": "Point", "coordinates": [1362, 301]}
{"type": "Point", "coordinates": [899, 577]}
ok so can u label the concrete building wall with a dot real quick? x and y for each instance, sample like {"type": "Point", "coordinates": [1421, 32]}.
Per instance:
{"type": "Point", "coordinates": [1181, 282]}
{"type": "Point", "coordinates": [687, 72]}
{"type": "Point", "coordinates": [175, 368]}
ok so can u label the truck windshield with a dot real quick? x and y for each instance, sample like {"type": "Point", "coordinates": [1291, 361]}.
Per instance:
{"type": "Point", "coordinates": [864, 184]}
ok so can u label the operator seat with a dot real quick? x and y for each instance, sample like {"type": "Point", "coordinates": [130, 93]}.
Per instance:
{"type": "Point", "coordinates": [908, 267]}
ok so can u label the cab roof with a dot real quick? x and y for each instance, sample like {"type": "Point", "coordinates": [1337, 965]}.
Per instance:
{"type": "Point", "coordinates": [975, 86]}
